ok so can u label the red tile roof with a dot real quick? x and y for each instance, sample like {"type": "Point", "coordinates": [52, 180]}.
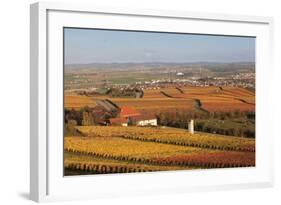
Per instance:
{"type": "Point", "coordinates": [127, 111]}
{"type": "Point", "coordinates": [144, 117]}
{"type": "Point", "coordinates": [118, 120]}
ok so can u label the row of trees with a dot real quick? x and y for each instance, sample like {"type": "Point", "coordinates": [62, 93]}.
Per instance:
{"type": "Point", "coordinates": [208, 115]}
{"type": "Point", "coordinates": [233, 131]}
{"type": "Point", "coordinates": [212, 122]}
{"type": "Point", "coordinates": [73, 117]}
{"type": "Point", "coordinates": [76, 115]}
{"type": "Point", "coordinates": [129, 92]}
{"type": "Point", "coordinates": [105, 169]}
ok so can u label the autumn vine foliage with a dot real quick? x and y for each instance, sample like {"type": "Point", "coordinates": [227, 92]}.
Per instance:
{"type": "Point", "coordinates": [137, 149]}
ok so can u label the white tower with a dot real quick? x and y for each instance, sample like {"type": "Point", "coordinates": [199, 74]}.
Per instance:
{"type": "Point", "coordinates": [191, 127]}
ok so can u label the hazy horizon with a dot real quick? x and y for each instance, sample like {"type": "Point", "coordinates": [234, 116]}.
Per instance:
{"type": "Point", "coordinates": [95, 46]}
{"type": "Point", "coordinates": [195, 62]}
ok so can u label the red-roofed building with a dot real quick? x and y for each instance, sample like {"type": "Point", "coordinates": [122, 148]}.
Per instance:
{"type": "Point", "coordinates": [127, 112]}
{"type": "Point", "coordinates": [130, 116]}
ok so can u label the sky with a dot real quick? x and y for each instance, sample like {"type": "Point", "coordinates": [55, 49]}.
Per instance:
{"type": "Point", "coordinates": [83, 46]}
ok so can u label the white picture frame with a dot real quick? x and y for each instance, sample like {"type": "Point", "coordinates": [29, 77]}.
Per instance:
{"type": "Point", "coordinates": [47, 182]}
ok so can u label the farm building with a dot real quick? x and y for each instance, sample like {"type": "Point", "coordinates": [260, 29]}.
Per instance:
{"type": "Point", "coordinates": [145, 120]}
{"type": "Point", "coordinates": [103, 111]}
{"type": "Point", "coordinates": [108, 105]}
{"type": "Point", "coordinates": [129, 116]}
{"type": "Point", "coordinates": [101, 115]}
{"type": "Point", "coordinates": [106, 113]}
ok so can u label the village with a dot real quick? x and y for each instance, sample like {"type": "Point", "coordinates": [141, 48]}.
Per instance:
{"type": "Point", "coordinates": [176, 79]}
{"type": "Point", "coordinates": [243, 80]}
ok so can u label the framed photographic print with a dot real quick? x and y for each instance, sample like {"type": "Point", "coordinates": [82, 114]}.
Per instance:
{"type": "Point", "coordinates": [128, 101]}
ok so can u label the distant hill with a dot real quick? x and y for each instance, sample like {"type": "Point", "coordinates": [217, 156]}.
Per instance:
{"type": "Point", "coordinates": [155, 65]}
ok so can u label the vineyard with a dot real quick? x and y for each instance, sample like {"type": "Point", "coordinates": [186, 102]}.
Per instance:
{"type": "Point", "coordinates": [170, 99]}
{"type": "Point", "coordinates": [78, 101]}
{"type": "Point", "coordinates": [212, 98]}
{"type": "Point", "coordinates": [172, 136]}
{"type": "Point", "coordinates": [94, 165]}
{"type": "Point", "coordinates": [108, 149]}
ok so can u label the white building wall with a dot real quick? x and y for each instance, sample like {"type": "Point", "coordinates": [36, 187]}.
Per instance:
{"type": "Point", "coordinates": [152, 122]}
{"type": "Point", "coordinates": [191, 126]}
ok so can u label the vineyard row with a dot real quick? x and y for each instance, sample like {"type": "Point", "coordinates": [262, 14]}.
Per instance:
{"type": "Point", "coordinates": [200, 162]}
{"type": "Point", "coordinates": [105, 169]}
{"type": "Point", "coordinates": [190, 144]}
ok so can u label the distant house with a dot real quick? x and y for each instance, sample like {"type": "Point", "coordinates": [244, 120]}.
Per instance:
{"type": "Point", "coordinates": [101, 115]}
{"type": "Point", "coordinates": [145, 120]}
{"type": "Point", "coordinates": [180, 74]}
{"type": "Point", "coordinates": [130, 116]}
{"type": "Point", "coordinates": [103, 111]}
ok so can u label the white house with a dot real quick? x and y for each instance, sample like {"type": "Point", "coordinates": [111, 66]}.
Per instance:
{"type": "Point", "coordinates": [145, 120]}
{"type": "Point", "coordinates": [180, 74]}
